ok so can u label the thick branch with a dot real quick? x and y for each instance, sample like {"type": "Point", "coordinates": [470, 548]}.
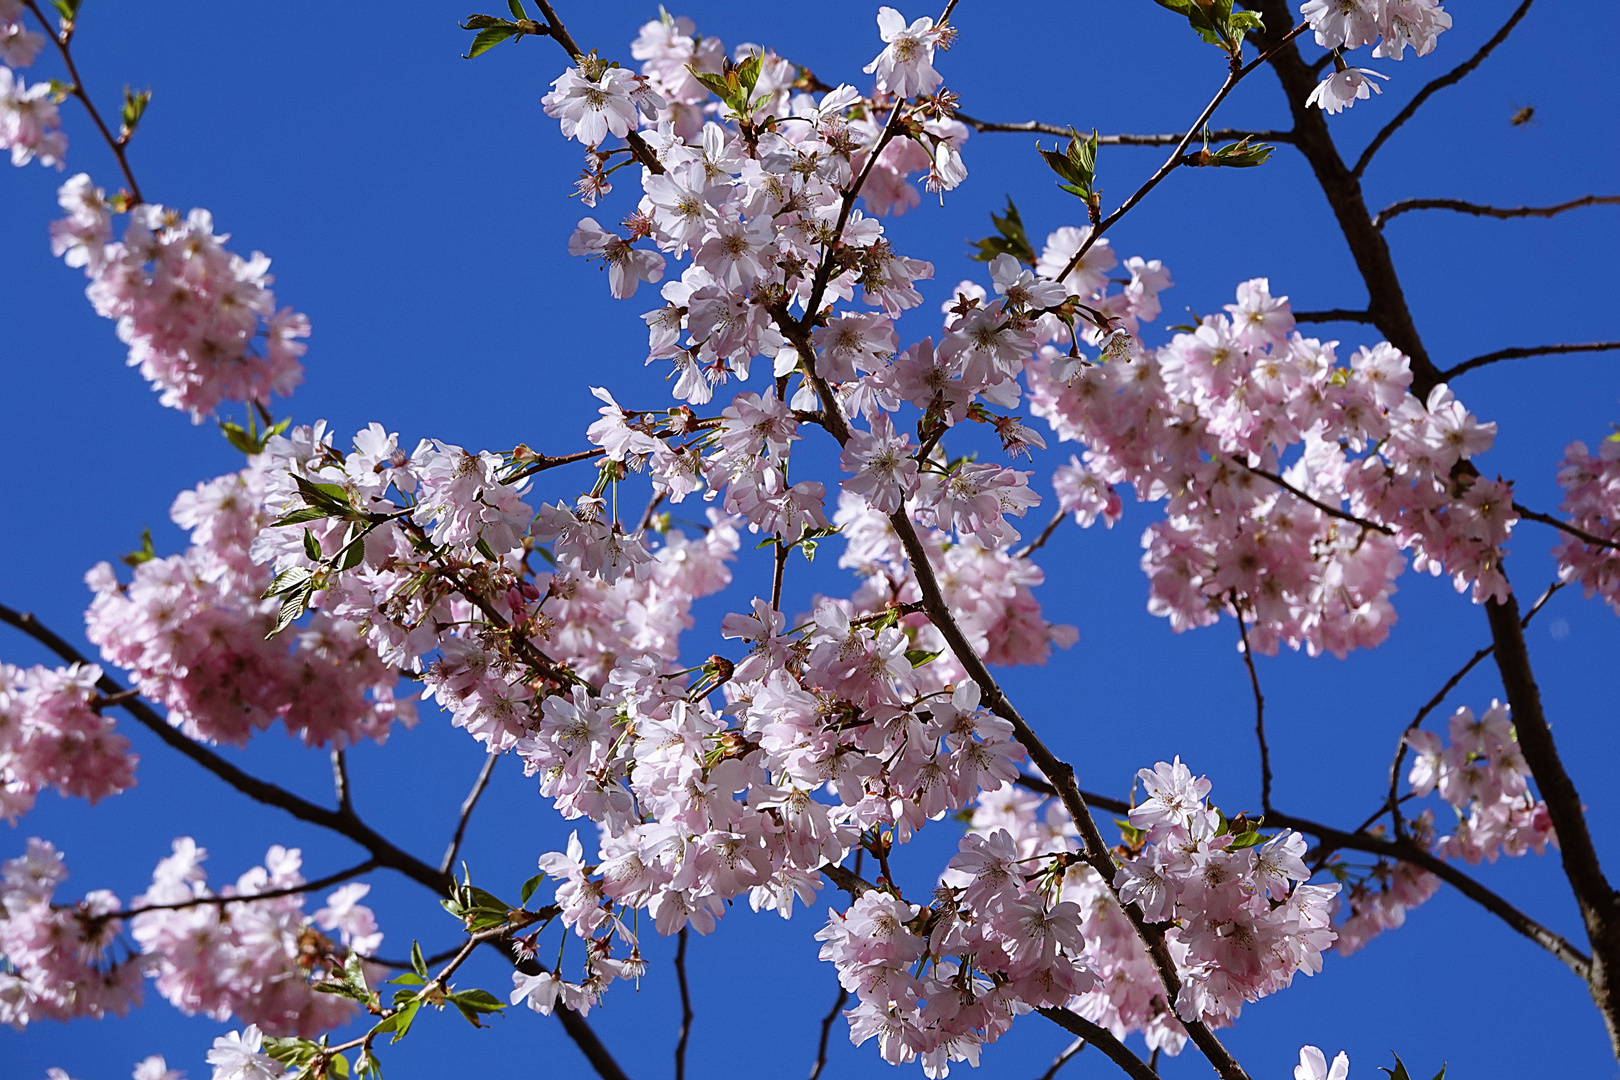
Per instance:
{"type": "Point", "coordinates": [1535, 350]}
{"type": "Point", "coordinates": [1479, 210]}
{"type": "Point", "coordinates": [1450, 78]}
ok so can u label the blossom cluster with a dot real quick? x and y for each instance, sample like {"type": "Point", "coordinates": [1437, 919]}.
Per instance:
{"type": "Point", "coordinates": [251, 958]}
{"type": "Point", "coordinates": [1591, 484]}
{"type": "Point", "coordinates": [1351, 24]}
{"type": "Point", "coordinates": [201, 322]}
{"type": "Point", "coordinates": [1307, 551]}
{"type": "Point", "coordinates": [194, 629]}
{"type": "Point", "coordinates": [1481, 774]}
{"type": "Point", "coordinates": [53, 735]}
{"type": "Point", "coordinates": [30, 124]}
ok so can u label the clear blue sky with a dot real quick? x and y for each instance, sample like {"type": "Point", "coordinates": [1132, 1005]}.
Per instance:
{"type": "Point", "coordinates": [414, 205]}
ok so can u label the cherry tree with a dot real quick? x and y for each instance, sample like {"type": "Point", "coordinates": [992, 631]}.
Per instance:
{"type": "Point", "coordinates": [348, 585]}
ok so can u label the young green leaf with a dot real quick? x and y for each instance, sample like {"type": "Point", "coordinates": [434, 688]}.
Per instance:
{"type": "Point", "coordinates": [1011, 241]}
{"type": "Point", "coordinates": [529, 887]}
{"type": "Point", "coordinates": [143, 554]}
{"type": "Point", "coordinates": [489, 37]}
{"type": "Point", "coordinates": [312, 546]}
{"type": "Point", "coordinates": [418, 965]}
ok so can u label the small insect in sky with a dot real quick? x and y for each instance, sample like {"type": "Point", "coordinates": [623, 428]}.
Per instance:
{"type": "Point", "coordinates": [1523, 116]}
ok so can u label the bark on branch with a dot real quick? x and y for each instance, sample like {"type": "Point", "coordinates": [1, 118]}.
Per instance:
{"type": "Point", "coordinates": [1480, 210]}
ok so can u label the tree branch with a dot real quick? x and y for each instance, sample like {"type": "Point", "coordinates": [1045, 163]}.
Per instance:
{"type": "Point", "coordinates": [1450, 78]}
{"type": "Point", "coordinates": [1046, 534]}
{"type": "Point", "coordinates": [1233, 77]}
{"type": "Point", "coordinates": [1259, 717]}
{"type": "Point", "coordinates": [1063, 1058]}
{"type": "Point", "coordinates": [117, 145]}
{"type": "Point", "coordinates": [686, 1005]}
{"type": "Point", "coordinates": [384, 852]}
{"type": "Point", "coordinates": [1103, 1040]}
{"type": "Point", "coordinates": [269, 894]}
{"type": "Point", "coordinates": [1515, 354]}
{"type": "Point", "coordinates": [340, 782]}
{"type": "Point", "coordinates": [1331, 511]}
{"type": "Point", "coordinates": [1332, 315]}
{"type": "Point", "coordinates": [1035, 127]}
{"type": "Point", "coordinates": [1565, 527]}
{"type": "Point", "coordinates": [826, 1031]}
{"type": "Point", "coordinates": [467, 806]}
{"type": "Point", "coordinates": [1407, 205]}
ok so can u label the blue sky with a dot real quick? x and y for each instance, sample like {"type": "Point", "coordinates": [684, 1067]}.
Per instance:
{"type": "Point", "coordinates": [414, 204]}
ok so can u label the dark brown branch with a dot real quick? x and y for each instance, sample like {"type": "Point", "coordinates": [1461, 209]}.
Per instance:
{"type": "Point", "coordinates": [1332, 315]}
{"type": "Point", "coordinates": [1450, 78]}
{"type": "Point", "coordinates": [118, 145]}
{"type": "Point", "coordinates": [1065, 1056]}
{"type": "Point", "coordinates": [1259, 716]}
{"type": "Point", "coordinates": [1515, 354]}
{"type": "Point", "coordinates": [269, 894]}
{"type": "Point", "coordinates": [467, 806]}
{"type": "Point", "coordinates": [1103, 1040]}
{"type": "Point", "coordinates": [543, 463]}
{"type": "Point", "coordinates": [686, 1005]}
{"type": "Point", "coordinates": [1035, 127]}
{"type": "Point", "coordinates": [1407, 851]}
{"type": "Point", "coordinates": [826, 1031]}
{"type": "Point", "coordinates": [1407, 205]}
{"type": "Point", "coordinates": [778, 568]}
{"type": "Point", "coordinates": [382, 851]}
{"type": "Point", "coordinates": [1595, 896]}
{"type": "Point", "coordinates": [1565, 527]}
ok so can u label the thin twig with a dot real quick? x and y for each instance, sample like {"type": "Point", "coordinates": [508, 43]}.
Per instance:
{"type": "Point", "coordinates": [686, 1006]}
{"type": "Point", "coordinates": [1479, 210]}
{"type": "Point", "coordinates": [1333, 315]}
{"type": "Point", "coordinates": [1170, 163]}
{"type": "Point", "coordinates": [1035, 127]}
{"type": "Point", "coordinates": [1063, 1058]}
{"type": "Point", "coordinates": [545, 462]}
{"type": "Point", "coordinates": [467, 805]}
{"type": "Point", "coordinates": [117, 145]}
{"type": "Point", "coordinates": [269, 894]}
{"type": "Point", "coordinates": [1259, 716]}
{"type": "Point", "coordinates": [1046, 534]}
{"type": "Point", "coordinates": [1455, 75]}
{"type": "Point", "coordinates": [1565, 527]}
{"type": "Point", "coordinates": [826, 1030]}
{"type": "Point", "coordinates": [1330, 511]}
{"type": "Point", "coordinates": [1517, 353]}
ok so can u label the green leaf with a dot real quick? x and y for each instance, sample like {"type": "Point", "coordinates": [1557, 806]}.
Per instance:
{"type": "Point", "coordinates": [516, 7]}
{"type": "Point", "coordinates": [288, 580]}
{"type": "Point", "coordinates": [919, 657]}
{"type": "Point", "coordinates": [134, 108]}
{"type": "Point", "coordinates": [482, 1000]}
{"type": "Point", "coordinates": [240, 437]}
{"type": "Point", "coordinates": [1240, 155]}
{"type": "Point", "coordinates": [1247, 839]}
{"type": "Point", "coordinates": [1013, 240]}
{"type": "Point", "coordinates": [404, 1018]}
{"type": "Point", "coordinates": [291, 1051]}
{"type": "Point", "coordinates": [408, 978]}
{"type": "Point", "coordinates": [352, 554]}
{"type": "Point", "coordinates": [338, 1066]}
{"type": "Point", "coordinates": [312, 546]}
{"type": "Point", "coordinates": [1076, 163]}
{"type": "Point", "coordinates": [748, 74]}
{"type": "Point", "coordinates": [143, 554]}
{"type": "Point", "coordinates": [486, 551]}
{"type": "Point", "coordinates": [292, 606]}
{"type": "Point", "coordinates": [529, 887]}
{"type": "Point", "coordinates": [489, 37]}
{"type": "Point", "coordinates": [418, 965]}
{"type": "Point", "coordinates": [329, 497]}
{"type": "Point", "coordinates": [368, 1065]}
